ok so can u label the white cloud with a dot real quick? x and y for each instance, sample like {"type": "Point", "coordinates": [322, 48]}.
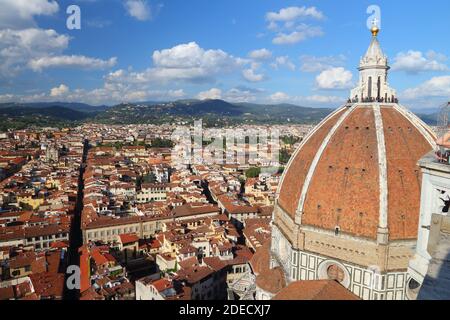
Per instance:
{"type": "Point", "coordinates": [416, 61]}
{"type": "Point", "coordinates": [302, 33]}
{"type": "Point", "coordinates": [278, 97]}
{"type": "Point", "coordinates": [71, 61]}
{"type": "Point", "coordinates": [272, 26]}
{"type": "Point", "coordinates": [7, 97]}
{"type": "Point", "coordinates": [294, 13]}
{"type": "Point", "coordinates": [283, 61]}
{"type": "Point", "coordinates": [334, 78]}
{"type": "Point", "coordinates": [435, 87]}
{"type": "Point", "coordinates": [324, 99]}
{"type": "Point", "coordinates": [59, 91]}
{"type": "Point", "coordinates": [189, 62]}
{"type": "Point", "coordinates": [176, 93]}
{"type": "Point", "coordinates": [136, 96]}
{"type": "Point", "coordinates": [261, 54]}
{"type": "Point", "coordinates": [287, 27]}
{"type": "Point", "coordinates": [107, 94]}
{"type": "Point", "coordinates": [34, 40]}
{"type": "Point", "coordinates": [111, 93]}
{"type": "Point", "coordinates": [142, 95]}
{"type": "Point", "coordinates": [138, 9]}
{"type": "Point", "coordinates": [240, 95]}
{"type": "Point", "coordinates": [16, 14]}
{"type": "Point", "coordinates": [318, 64]}
{"type": "Point", "coordinates": [39, 49]}
{"type": "Point", "coordinates": [313, 100]}
{"type": "Point", "coordinates": [129, 94]}
{"type": "Point", "coordinates": [191, 55]}
{"type": "Point", "coordinates": [251, 74]}
{"type": "Point", "coordinates": [17, 47]}
{"type": "Point", "coordinates": [212, 93]}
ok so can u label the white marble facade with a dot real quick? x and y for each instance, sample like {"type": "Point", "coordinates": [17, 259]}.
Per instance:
{"type": "Point", "coordinates": [367, 283]}
{"type": "Point", "coordinates": [434, 204]}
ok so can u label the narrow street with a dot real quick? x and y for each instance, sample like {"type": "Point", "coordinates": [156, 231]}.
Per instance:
{"type": "Point", "coordinates": [207, 192]}
{"type": "Point", "coordinates": [76, 239]}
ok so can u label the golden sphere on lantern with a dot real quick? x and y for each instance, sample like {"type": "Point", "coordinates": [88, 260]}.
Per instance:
{"type": "Point", "coordinates": [375, 31]}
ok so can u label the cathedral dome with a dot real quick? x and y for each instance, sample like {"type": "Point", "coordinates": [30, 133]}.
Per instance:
{"type": "Point", "coordinates": [357, 173]}
{"type": "Point", "coordinates": [348, 203]}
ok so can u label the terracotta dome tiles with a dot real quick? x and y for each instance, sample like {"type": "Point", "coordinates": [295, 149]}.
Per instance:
{"type": "Point", "coordinates": [405, 145]}
{"type": "Point", "coordinates": [344, 191]}
{"type": "Point", "coordinates": [345, 187]}
{"type": "Point", "coordinates": [291, 188]}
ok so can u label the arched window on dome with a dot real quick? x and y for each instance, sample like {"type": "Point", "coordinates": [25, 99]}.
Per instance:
{"type": "Point", "coordinates": [334, 272]}
{"type": "Point", "coordinates": [370, 88]}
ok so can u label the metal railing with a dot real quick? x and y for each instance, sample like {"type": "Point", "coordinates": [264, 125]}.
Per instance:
{"type": "Point", "coordinates": [369, 100]}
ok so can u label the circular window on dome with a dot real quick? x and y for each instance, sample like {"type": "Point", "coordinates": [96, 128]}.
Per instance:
{"type": "Point", "coordinates": [335, 272]}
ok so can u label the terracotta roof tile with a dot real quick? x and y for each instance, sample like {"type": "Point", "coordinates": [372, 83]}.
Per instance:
{"type": "Point", "coordinates": [315, 290]}
{"type": "Point", "coordinates": [128, 238]}
{"type": "Point", "coordinates": [261, 259]}
{"type": "Point", "coordinates": [271, 280]}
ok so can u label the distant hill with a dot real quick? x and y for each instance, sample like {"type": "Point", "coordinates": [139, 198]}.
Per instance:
{"type": "Point", "coordinates": [81, 107]}
{"type": "Point", "coordinates": [430, 119]}
{"type": "Point", "coordinates": [56, 112]}
{"type": "Point", "coordinates": [213, 112]}
{"type": "Point", "coordinates": [19, 117]}
{"type": "Point", "coordinates": [284, 112]}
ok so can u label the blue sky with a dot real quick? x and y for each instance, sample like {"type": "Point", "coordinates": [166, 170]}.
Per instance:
{"type": "Point", "coordinates": [303, 52]}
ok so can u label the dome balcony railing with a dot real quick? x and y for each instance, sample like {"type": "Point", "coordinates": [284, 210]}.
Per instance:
{"type": "Point", "coordinates": [372, 100]}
